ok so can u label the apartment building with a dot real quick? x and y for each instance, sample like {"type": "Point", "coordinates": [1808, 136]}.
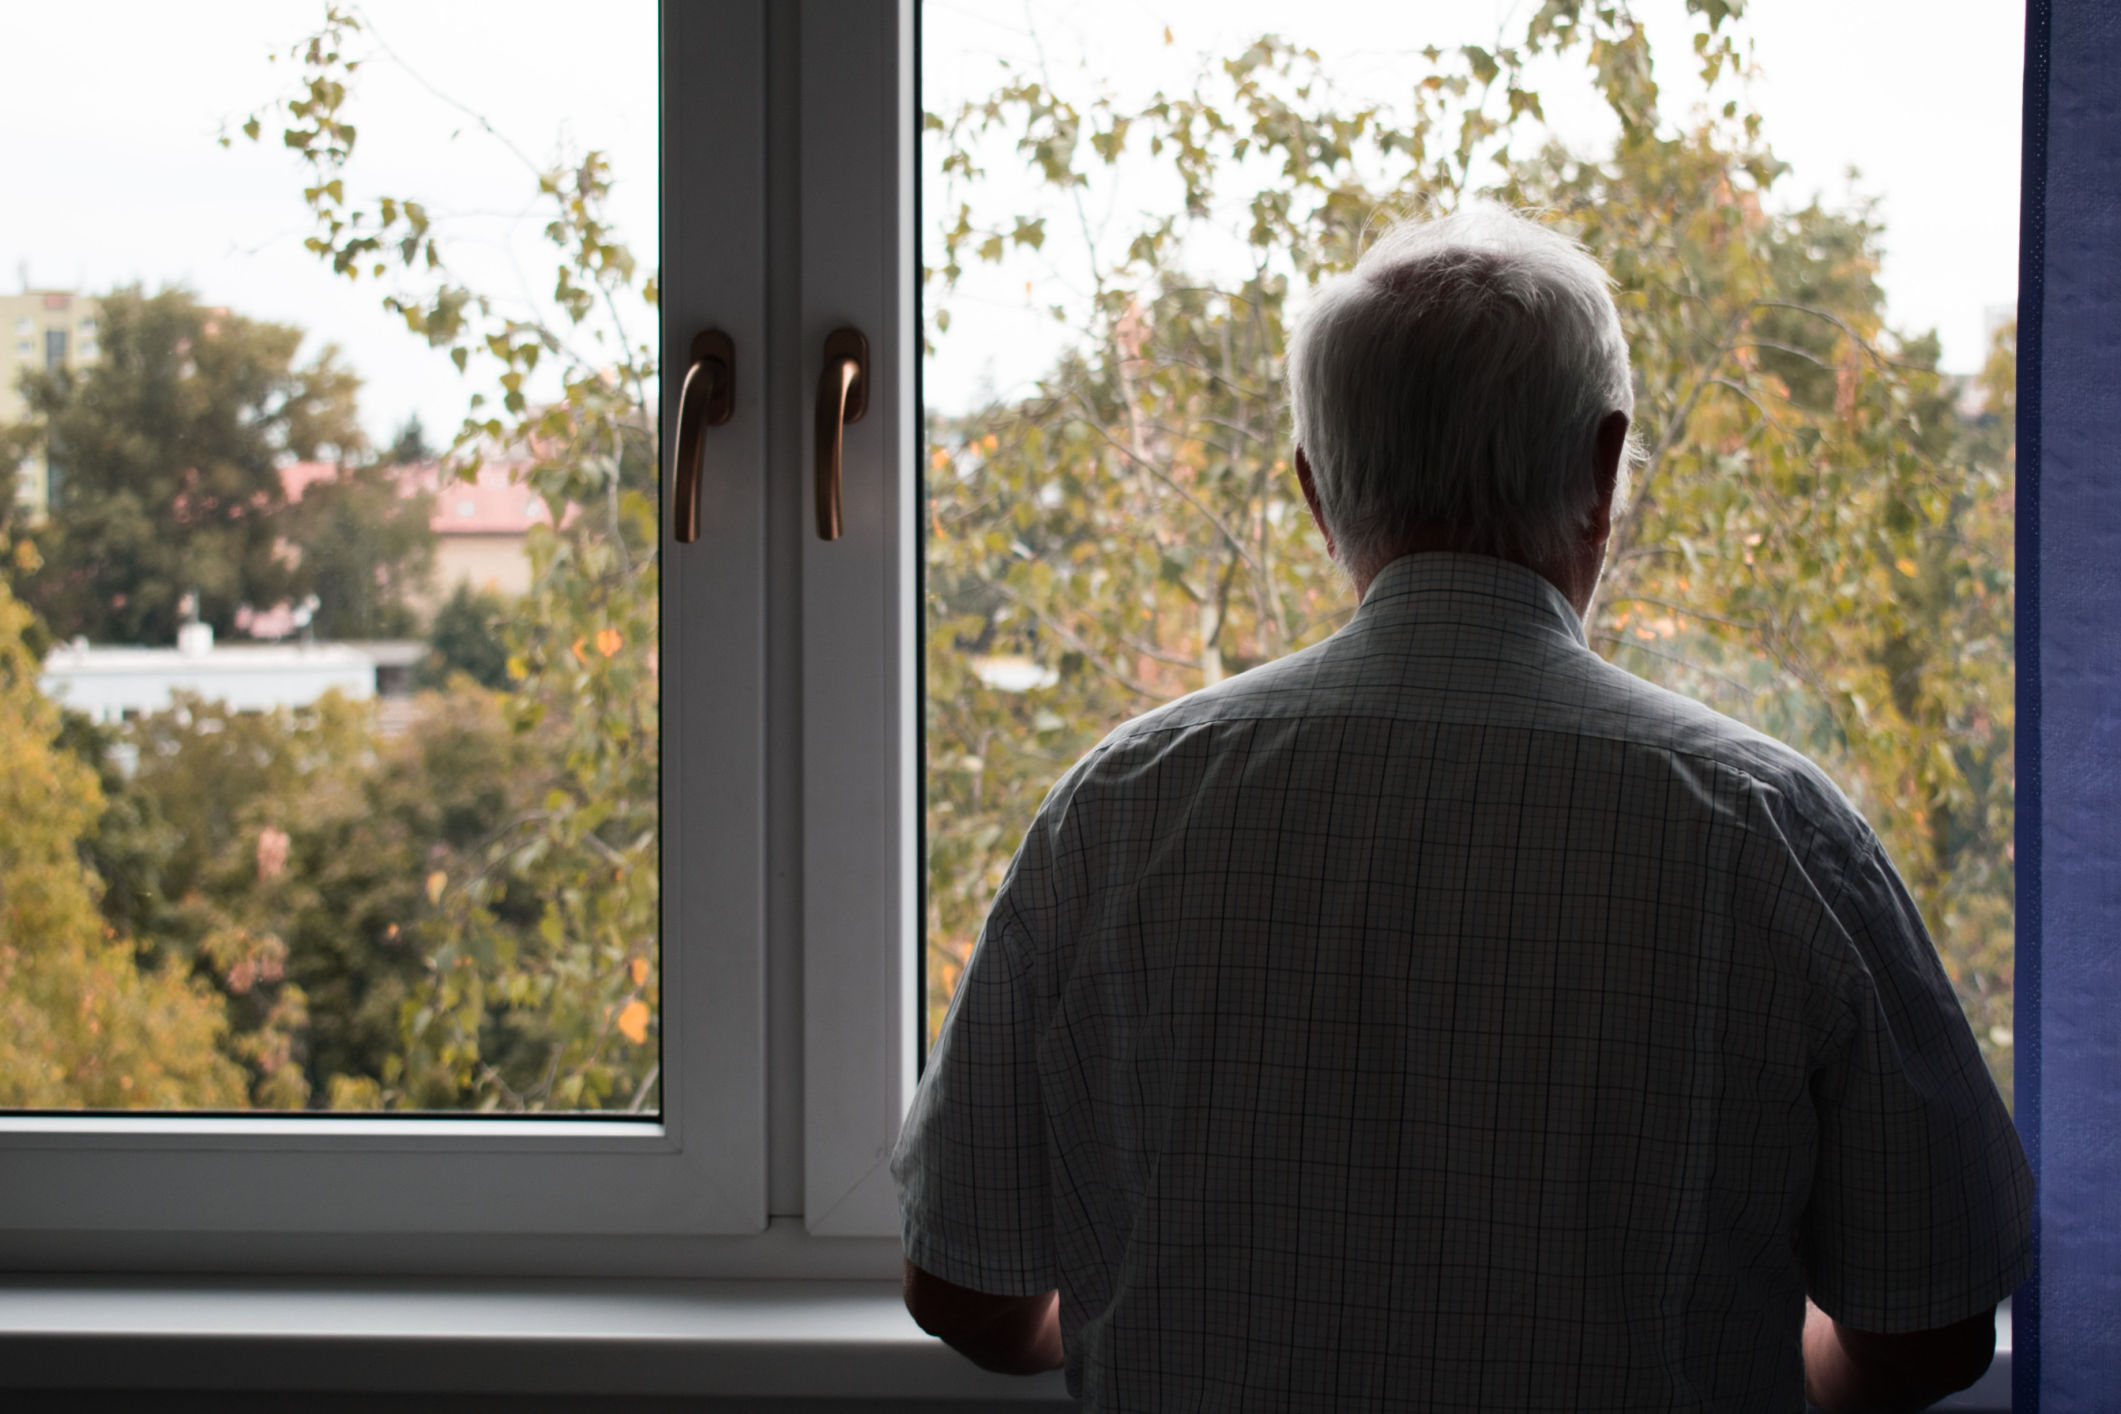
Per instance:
{"type": "Point", "coordinates": [40, 330]}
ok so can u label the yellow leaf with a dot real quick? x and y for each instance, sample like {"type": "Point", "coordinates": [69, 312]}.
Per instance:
{"type": "Point", "coordinates": [1167, 34]}
{"type": "Point", "coordinates": [633, 1022]}
{"type": "Point", "coordinates": [518, 666]}
{"type": "Point", "coordinates": [1905, 566]}
{"type": "Point", "coordinates": [609, 641]}
{"type": "Point", "coordinates": [640, 970]}
{"type": "Point", "coordinates": [436, 882]}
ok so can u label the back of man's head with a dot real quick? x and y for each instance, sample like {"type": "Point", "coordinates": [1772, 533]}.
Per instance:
{"type": "Point", "coordinates": [1455, 381]}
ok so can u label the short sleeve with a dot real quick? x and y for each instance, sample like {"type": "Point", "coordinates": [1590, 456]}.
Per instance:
{"type": "Point", "coordinates": [971, 1161]}
{"type": "Point", "coordinates": [1921, 1206]}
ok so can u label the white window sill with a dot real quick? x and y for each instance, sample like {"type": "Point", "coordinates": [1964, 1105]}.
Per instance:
{"type": "Point", "coordinates": [758, 1339]}
{"type": "Point", "coordinates": [754, 1339]}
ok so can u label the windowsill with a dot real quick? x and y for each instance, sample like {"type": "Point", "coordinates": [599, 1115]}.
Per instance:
{"type": "Point", "coordinates": [762, 1339]}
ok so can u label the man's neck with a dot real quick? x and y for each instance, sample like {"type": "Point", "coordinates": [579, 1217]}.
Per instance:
{"type": "Point", "coordinates": [1577, 582]}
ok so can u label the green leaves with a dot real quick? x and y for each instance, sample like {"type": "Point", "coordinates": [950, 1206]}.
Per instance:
{"type": "Point", "coordinates": [86, 1020]}
{"type": "Point", "coordinates": [540, 989]}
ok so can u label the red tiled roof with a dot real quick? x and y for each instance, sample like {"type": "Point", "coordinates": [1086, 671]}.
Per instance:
{"type": "Point", "coordinates": [297, 477]}
{"type": "Point", "coordinates": [496, 503]}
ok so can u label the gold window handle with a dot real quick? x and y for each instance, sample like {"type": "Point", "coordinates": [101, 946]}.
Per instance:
{"type": "Point", "coordinates": [842, 397]}
{"type": "Point", "coordinates": [707, 400]}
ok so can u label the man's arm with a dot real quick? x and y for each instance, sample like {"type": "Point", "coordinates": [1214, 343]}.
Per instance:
{"type": "Point", "coordinates": [1012, 1335]}
{"type": "Point", "coordinates": [1848, 1371]}
{"type": "Point", "coordinates": [1921, 1203]}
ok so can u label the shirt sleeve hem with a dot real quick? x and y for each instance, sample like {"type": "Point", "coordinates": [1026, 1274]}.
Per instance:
{"type": "Point", "coordinates": [938, 1259]}
{"type": "Point", "coordinates": [1886, 1312]}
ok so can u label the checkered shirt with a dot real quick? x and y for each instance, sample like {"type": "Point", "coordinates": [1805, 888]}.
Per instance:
{"type": "Point", "coordinates": [1442, 1018]}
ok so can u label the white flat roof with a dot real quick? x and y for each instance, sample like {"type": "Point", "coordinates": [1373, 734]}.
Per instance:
{"type": "Point", "coordinates": [236, 658]}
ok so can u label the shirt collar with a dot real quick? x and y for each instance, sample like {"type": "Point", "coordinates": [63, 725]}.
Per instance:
{"type": "Point", "coordinates": [1467, 589]}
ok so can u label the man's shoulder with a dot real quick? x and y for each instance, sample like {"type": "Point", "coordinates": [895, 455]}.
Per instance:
{"type": "Point", "coordinates": [1792, 785]}
{"type": "Point", "coordinates": [1282, 687]}
{"type": "Point", "coordinates": [1567, 693]}
{"type": "Point", "coordinates": [1299, 682]}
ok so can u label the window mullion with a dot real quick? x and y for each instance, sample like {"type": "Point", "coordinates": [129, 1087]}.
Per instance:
{"type": "Point", "coordinates": [859, 636]}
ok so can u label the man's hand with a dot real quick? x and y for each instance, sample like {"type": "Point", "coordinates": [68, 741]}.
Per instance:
{"type": "Point", "coordinates": [1013, 1335]}
{"type": "Point", "coordinates": [1848, 1371]}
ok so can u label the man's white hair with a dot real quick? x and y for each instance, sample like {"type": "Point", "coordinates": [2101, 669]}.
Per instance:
{"type": "Point", "coordinates": [1456, 379]}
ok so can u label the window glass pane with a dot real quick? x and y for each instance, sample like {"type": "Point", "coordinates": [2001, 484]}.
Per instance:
{"type": "Point", "coordinates": [1815, 251]}
{"type": "Point", "coordinates": [328, 636]}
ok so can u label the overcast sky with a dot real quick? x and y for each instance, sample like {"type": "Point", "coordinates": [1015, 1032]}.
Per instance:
{"type": "Point", "coordinates": [110, 110]}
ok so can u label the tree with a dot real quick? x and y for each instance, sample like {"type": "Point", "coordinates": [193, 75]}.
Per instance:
{"type": "Point", "coordinates": [84, 1023]}
{"type": "Point", "coordinates": [289, 860]}
{"type": "Point", "coordinates": [365, 549]}
{"type": "Point", "coordinates": [180, 836]}
{"type": "Point", "coordinates": [409, 445]}
{"type": "Point", "coordinates": [166, 456]}
{"type": "Point", "coordinates": [565, 1014]}
{"type": "Point", "coordinates": [1818, 541]}
{"type": "Point", "coordinates": [466, 638]}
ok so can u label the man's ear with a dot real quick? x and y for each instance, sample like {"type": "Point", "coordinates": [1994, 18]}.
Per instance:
{"type": "Point", "coordinates": [1310, 489]}
{"type": "Point", "coordinates": [1611, 447]}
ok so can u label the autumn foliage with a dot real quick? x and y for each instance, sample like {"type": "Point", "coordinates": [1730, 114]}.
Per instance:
{"type": "Point", "coordinates": [85, 1022]}
{"type": "Point", "coordinates": [299, 909]}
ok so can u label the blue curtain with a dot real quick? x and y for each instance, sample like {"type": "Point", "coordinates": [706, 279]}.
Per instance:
{"type": "Point", "coordinates": [2068, 1318]}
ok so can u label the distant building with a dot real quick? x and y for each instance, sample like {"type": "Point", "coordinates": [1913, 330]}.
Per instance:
{"type": "Point", "coordinates": [481, 527]}
{"type": "Point", "coordinates": [118, 683]}
{"type": "Point", "coordinates": [40, 330]}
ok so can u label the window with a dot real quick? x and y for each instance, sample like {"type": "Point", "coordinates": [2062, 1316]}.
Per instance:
{"type": "Point", "coordinates": [1123, 211]}
{"type": "Point", "coordinates": [427, 904]}
{"type": "Point", "coordinates": [791, 773]}
{"type": "Point", "coordinates": [684, 1181]}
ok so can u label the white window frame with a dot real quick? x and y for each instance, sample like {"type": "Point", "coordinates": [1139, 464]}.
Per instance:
{"type": "Point", "coordinates": [861, 627]}
{"type": "Point", "coordinates": [790, 935]}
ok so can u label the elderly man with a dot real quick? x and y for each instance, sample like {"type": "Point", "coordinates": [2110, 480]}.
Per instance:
{"type": "Point", "coordinates": [1441, 1018]}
